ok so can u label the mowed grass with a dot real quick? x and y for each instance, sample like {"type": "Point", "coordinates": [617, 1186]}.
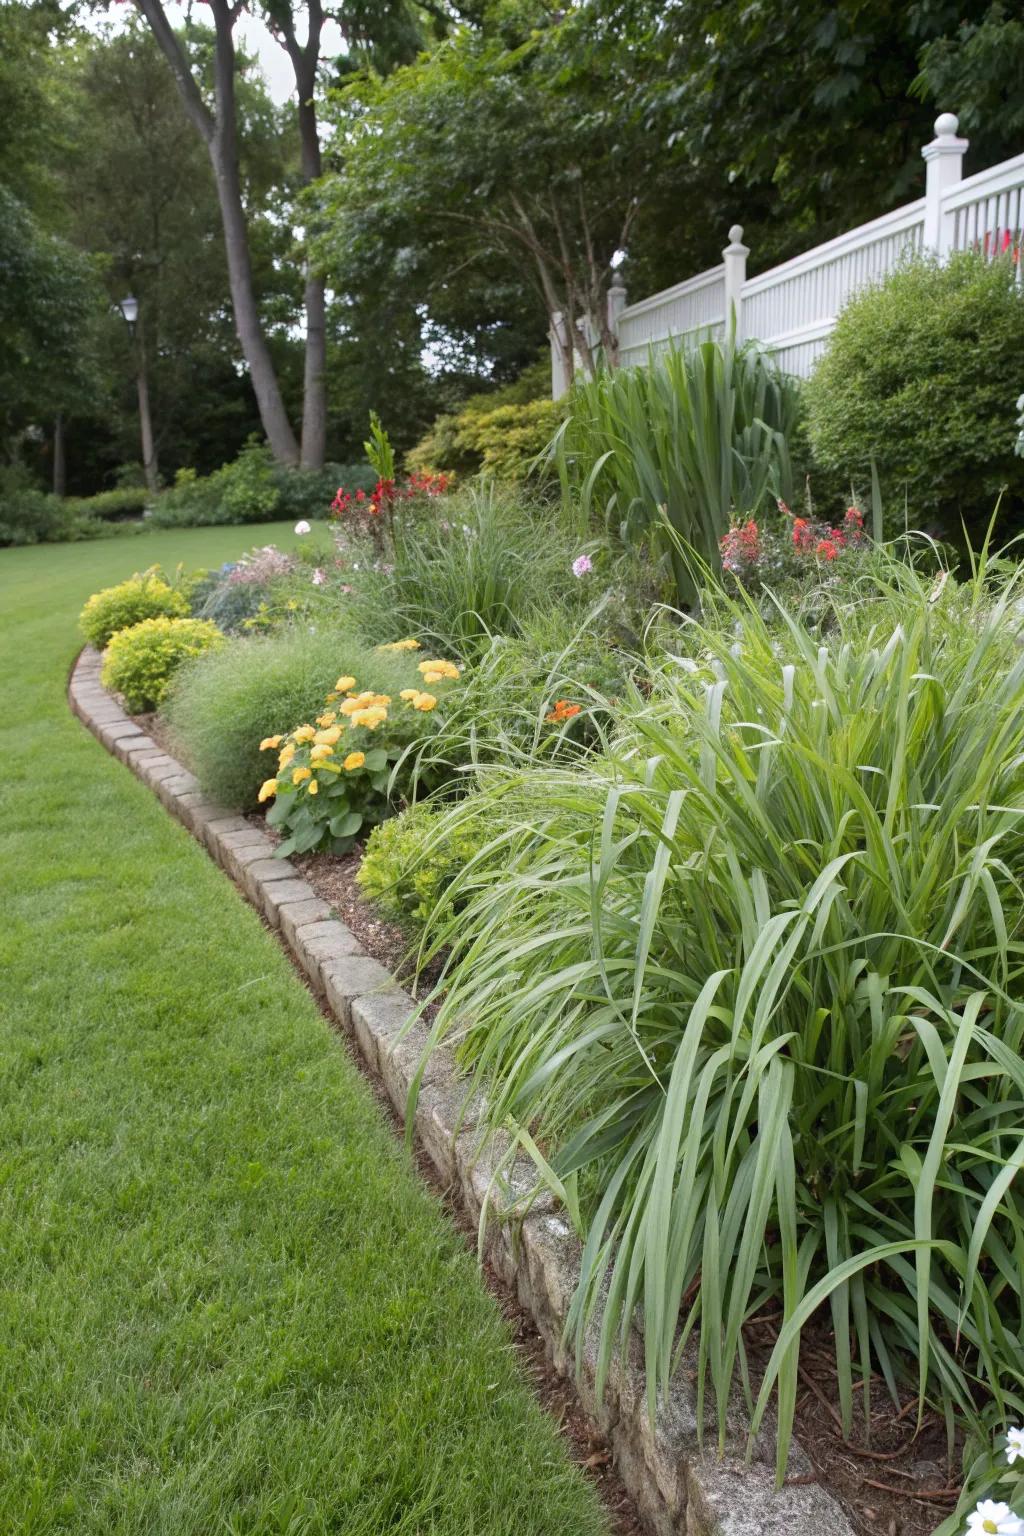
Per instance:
{"type": "Point", "coordinates": [226, 1303]}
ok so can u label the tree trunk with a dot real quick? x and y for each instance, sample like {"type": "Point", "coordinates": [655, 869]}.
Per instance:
{"type": "Point", "coordinates": [218, 130]}
{"type": "Point", "coordinates": [60, 469]}
{"type": "Point", "coordinates": [314, 391]}
{"type": "Point", "coordinates": [149, 465]}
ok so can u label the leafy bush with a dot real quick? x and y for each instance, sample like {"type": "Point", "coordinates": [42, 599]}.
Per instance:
{"type": "Point", "coordinates": [236, 595]}
{"type": "Point", "coordinates": [482, 562]}
{"type": "Point", "coordinates": [142, 597]}
{"type": "Point", "coordinates": [921, 374]}
{"type": "Point", "coordinates": [140, 661]}
{"type": "Point", "coordinates": [337, 778]}
{"type": "Point", "coordinates": [308, 493]}
{"type": "Point", "coordinates": [665, 455]}
{"type": "Point", "coordinates": [412, 861]}
{"type": "Point", "coordinates": [123, 501]}
{"type": "Point", "coordinates": [501, 432]}
{"type": "Point", "coordinates": [253, 688]}
{"type": "Point", "coordinates": [30, 516]}
{"type": "Point", "coordinates": [245, 491]}
{"type": "Point", "coordinates": [753, 980]}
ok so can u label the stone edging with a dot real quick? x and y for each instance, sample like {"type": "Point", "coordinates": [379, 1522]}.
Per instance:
{"type": "Point", "coordinates": [679, 1489]}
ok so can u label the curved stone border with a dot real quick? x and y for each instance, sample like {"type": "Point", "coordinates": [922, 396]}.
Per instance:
{"type": "Point", "coordinates": [679, 1489]}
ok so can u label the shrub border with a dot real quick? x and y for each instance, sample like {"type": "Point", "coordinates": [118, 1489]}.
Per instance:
{"type": "Point", "coordinates": [679, 1489]}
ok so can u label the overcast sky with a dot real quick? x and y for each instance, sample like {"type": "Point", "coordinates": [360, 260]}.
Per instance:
{"type": "Point", "coordinates": [256, 40]}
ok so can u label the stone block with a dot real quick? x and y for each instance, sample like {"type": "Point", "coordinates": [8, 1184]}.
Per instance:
{"type": "Point", "coordinates": [128, 746]}
{"type": "Point", "coordinates": [300, 913]}
{"type": "Point", "coordinates": [363, 997]}
{"type": "Point", "coordinates": [236, 859]}
{"type": "Point", "coordinates": [319, 946]}
{"type": "Point", "coordinates": [278, 895]}
{"type": "Point", "coordinates": [261, 872]}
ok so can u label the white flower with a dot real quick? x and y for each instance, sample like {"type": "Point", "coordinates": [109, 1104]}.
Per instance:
{"type": "Point", "coordinates": [994, 1519]}
{"type": "Point", "coordinates": [319, 577]}
{"type": "Point", "coordinates": [302, 526]}
{"type": "Point", "coordinates": [1014, 1444]}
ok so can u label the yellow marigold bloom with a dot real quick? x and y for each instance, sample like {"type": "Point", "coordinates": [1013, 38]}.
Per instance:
{"type": "Point", "coordinates": [354, 760]}
{"type": "Point", "coordinates": [319, 752]}
{"type": "Point", "coordinates": [400, 645]}
{"type": "Point", "coordinates": [268, 742]}
{"type": "Point", "coordinates": [314, 788]}
{"type": "Point", "coordinates": [300, 774]}
{"type": "Point", "coordinates": [327, 718]}
{"type": "Point", "coordinates": [287, 753]}
{"type": "Point", "coordinates": [267, 788]}
{"type": "Point", "coordinates": [370, 717]}
{"type": "Point", "coordinates": [304, 733]}
{"type": "Point", "coordinates": [328, 737]}
{"type": "Point", "coordinates": [344, 684]}
{"type": "Point", "coordinates": [438, 669]}
{"type": "Point", "coordinates": [408, 694]}
{"type": "Point", "coordinates": [424, 701]}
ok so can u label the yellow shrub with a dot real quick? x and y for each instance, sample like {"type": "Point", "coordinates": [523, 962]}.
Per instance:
{"type": "Point", "coordinates": [141, 660]}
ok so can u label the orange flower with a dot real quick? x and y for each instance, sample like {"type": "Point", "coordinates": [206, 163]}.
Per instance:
{"type": "Point", "coordinates": [563, 710]}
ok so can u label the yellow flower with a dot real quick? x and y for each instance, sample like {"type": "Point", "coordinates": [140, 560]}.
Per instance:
{"type": "Point", "coordinates": [328, 718]}
{"type": "Point", "coordinates": [354, 760]}
{"type": "Point", "coordinates": [318, 753]}
{"type": "Point", "coordinates": [434, 670]}
{"type": "Point", "coordinates": [268, 742]}
{"type": "Point", "coordinates": [344, 684]}
{"type": "Point", "coordinates": [328, 737]}
{"type": "Point", "coordinates": [287, 753]}
{"type": "Point", "coordinates": [267, 788]}
{"type": "Point", "coordinates": [314, 788]}
{"type": "Point", "coordinates": [304, 733]}
{"type": "Point", "coordinates": [300, 774]}
{"type": "Point", "coordinates": [370, 717]}
{"type": "Point", "coordinates": [424, 701]}
{"type": "Point", "coordinates": [400, 645]}
{"type": "Point", "coordinates": [408, 694]}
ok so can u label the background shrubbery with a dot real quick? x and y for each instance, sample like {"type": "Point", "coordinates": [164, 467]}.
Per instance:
{"type": "Point", "coordinates": [500, 433]}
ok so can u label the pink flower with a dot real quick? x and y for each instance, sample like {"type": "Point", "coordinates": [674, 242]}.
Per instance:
{"type": "Point", "coordinates": [582, 565]}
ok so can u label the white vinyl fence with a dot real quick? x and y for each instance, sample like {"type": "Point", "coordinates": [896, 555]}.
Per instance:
{"type": "Point", "coordinates": [792, 308]}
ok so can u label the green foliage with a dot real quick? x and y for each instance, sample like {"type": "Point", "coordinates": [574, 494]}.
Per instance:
{"type": "Point", "coordinates": [308, 493]}
{"type": "Point", "coordinates": [753, 981]}
{"type": "Point", "coordinates": [245, 491]}
{"type": "Point", "coordinates": [142, 597]}
{"type": "Point", "coordinates": [412, 861]}
{"type": "Point", "coordinates": [123, 501]}
{"type": "Point", "coordinates": [258, 687]}
{"type": "Point", "coordinates": [921, 375]}
{"type": "Point", "coordinates": [140, 661]}
{"type": "Point", "coordinates": [30, 516]}
{"type": "Point", "coordinates": [500, 432]}
{"type": "Point", "coordinates": [482, 562]}
{"type": "Point", "coordinates": [378, 450]}
{"type": "Point", "coordinates": [664, 455]}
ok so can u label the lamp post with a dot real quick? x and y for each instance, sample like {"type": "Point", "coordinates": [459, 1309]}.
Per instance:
{"type": "Point", "coordinates": [129, 307]}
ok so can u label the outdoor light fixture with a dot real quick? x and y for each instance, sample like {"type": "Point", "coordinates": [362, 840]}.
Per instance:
{"type": "Point", "coordinates": [129, 307]}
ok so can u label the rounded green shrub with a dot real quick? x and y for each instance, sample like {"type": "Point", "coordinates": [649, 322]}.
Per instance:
{"type": "Point", "coordinates": [141, 660]}
{"type": "Point", "coordinates": [411, 861]}
{"type": "Point", "coordinates": [261, 686]}
{"type": "Point", "coordinates": [921, 373]}
{"type": "Point", "coordinates": [142, 597]}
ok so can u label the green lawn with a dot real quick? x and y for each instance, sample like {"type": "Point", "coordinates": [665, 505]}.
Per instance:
{"type": "Point", "coordinates": [226, 1303]}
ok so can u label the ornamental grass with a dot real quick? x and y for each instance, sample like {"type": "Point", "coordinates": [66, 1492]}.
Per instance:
{"type": "Point", "coordinates": [752, 978]}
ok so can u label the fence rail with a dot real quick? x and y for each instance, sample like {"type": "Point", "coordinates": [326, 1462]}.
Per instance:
{"type": "Point", "coordinates": [792, 308]}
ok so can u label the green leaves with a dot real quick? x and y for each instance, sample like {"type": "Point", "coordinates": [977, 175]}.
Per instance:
{"type": "Point", "coordinates": [752, 980]}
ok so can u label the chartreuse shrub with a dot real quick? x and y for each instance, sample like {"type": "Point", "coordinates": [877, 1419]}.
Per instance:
{"type": "Point", "coordinates": [920, 375]}
{"type": "Point", "coordinates": [145, 596]}
{"type": "Point", "coordinates": [753, 979]}
{"type": "Point", "coordinates": [336, 779]}
{"type": "Point", "coordinates": [500, 433]}
{"type": "Point", "coordinates": [412, 862]}
{"type": "Point", "coordinates": [140, 661]}
{"type": "Point", "coordinates": [254, 688]}
{"type": "Point", "coordinates": [663, 456]}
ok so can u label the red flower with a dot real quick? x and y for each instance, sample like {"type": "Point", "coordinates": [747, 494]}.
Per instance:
{"type": "Point", "coordinates": [826, 550]}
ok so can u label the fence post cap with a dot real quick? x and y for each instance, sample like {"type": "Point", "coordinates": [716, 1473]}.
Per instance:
{"type": "Point", "coordinates": [736, 234]}
{"type": "Point", "coordinates": [616, 282]}
{"type": "Point", "coordinates": [946, 125]}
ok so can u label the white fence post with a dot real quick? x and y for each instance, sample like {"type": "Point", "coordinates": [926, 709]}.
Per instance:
{"type": "Point", "coordinates": [616, 304]}
{"type": "Point", "coordinates": [944, 161]}
{"type": "Point", "coordinates": [559, 376]}
{"type": "Point", "coordinates": [735, 257]}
